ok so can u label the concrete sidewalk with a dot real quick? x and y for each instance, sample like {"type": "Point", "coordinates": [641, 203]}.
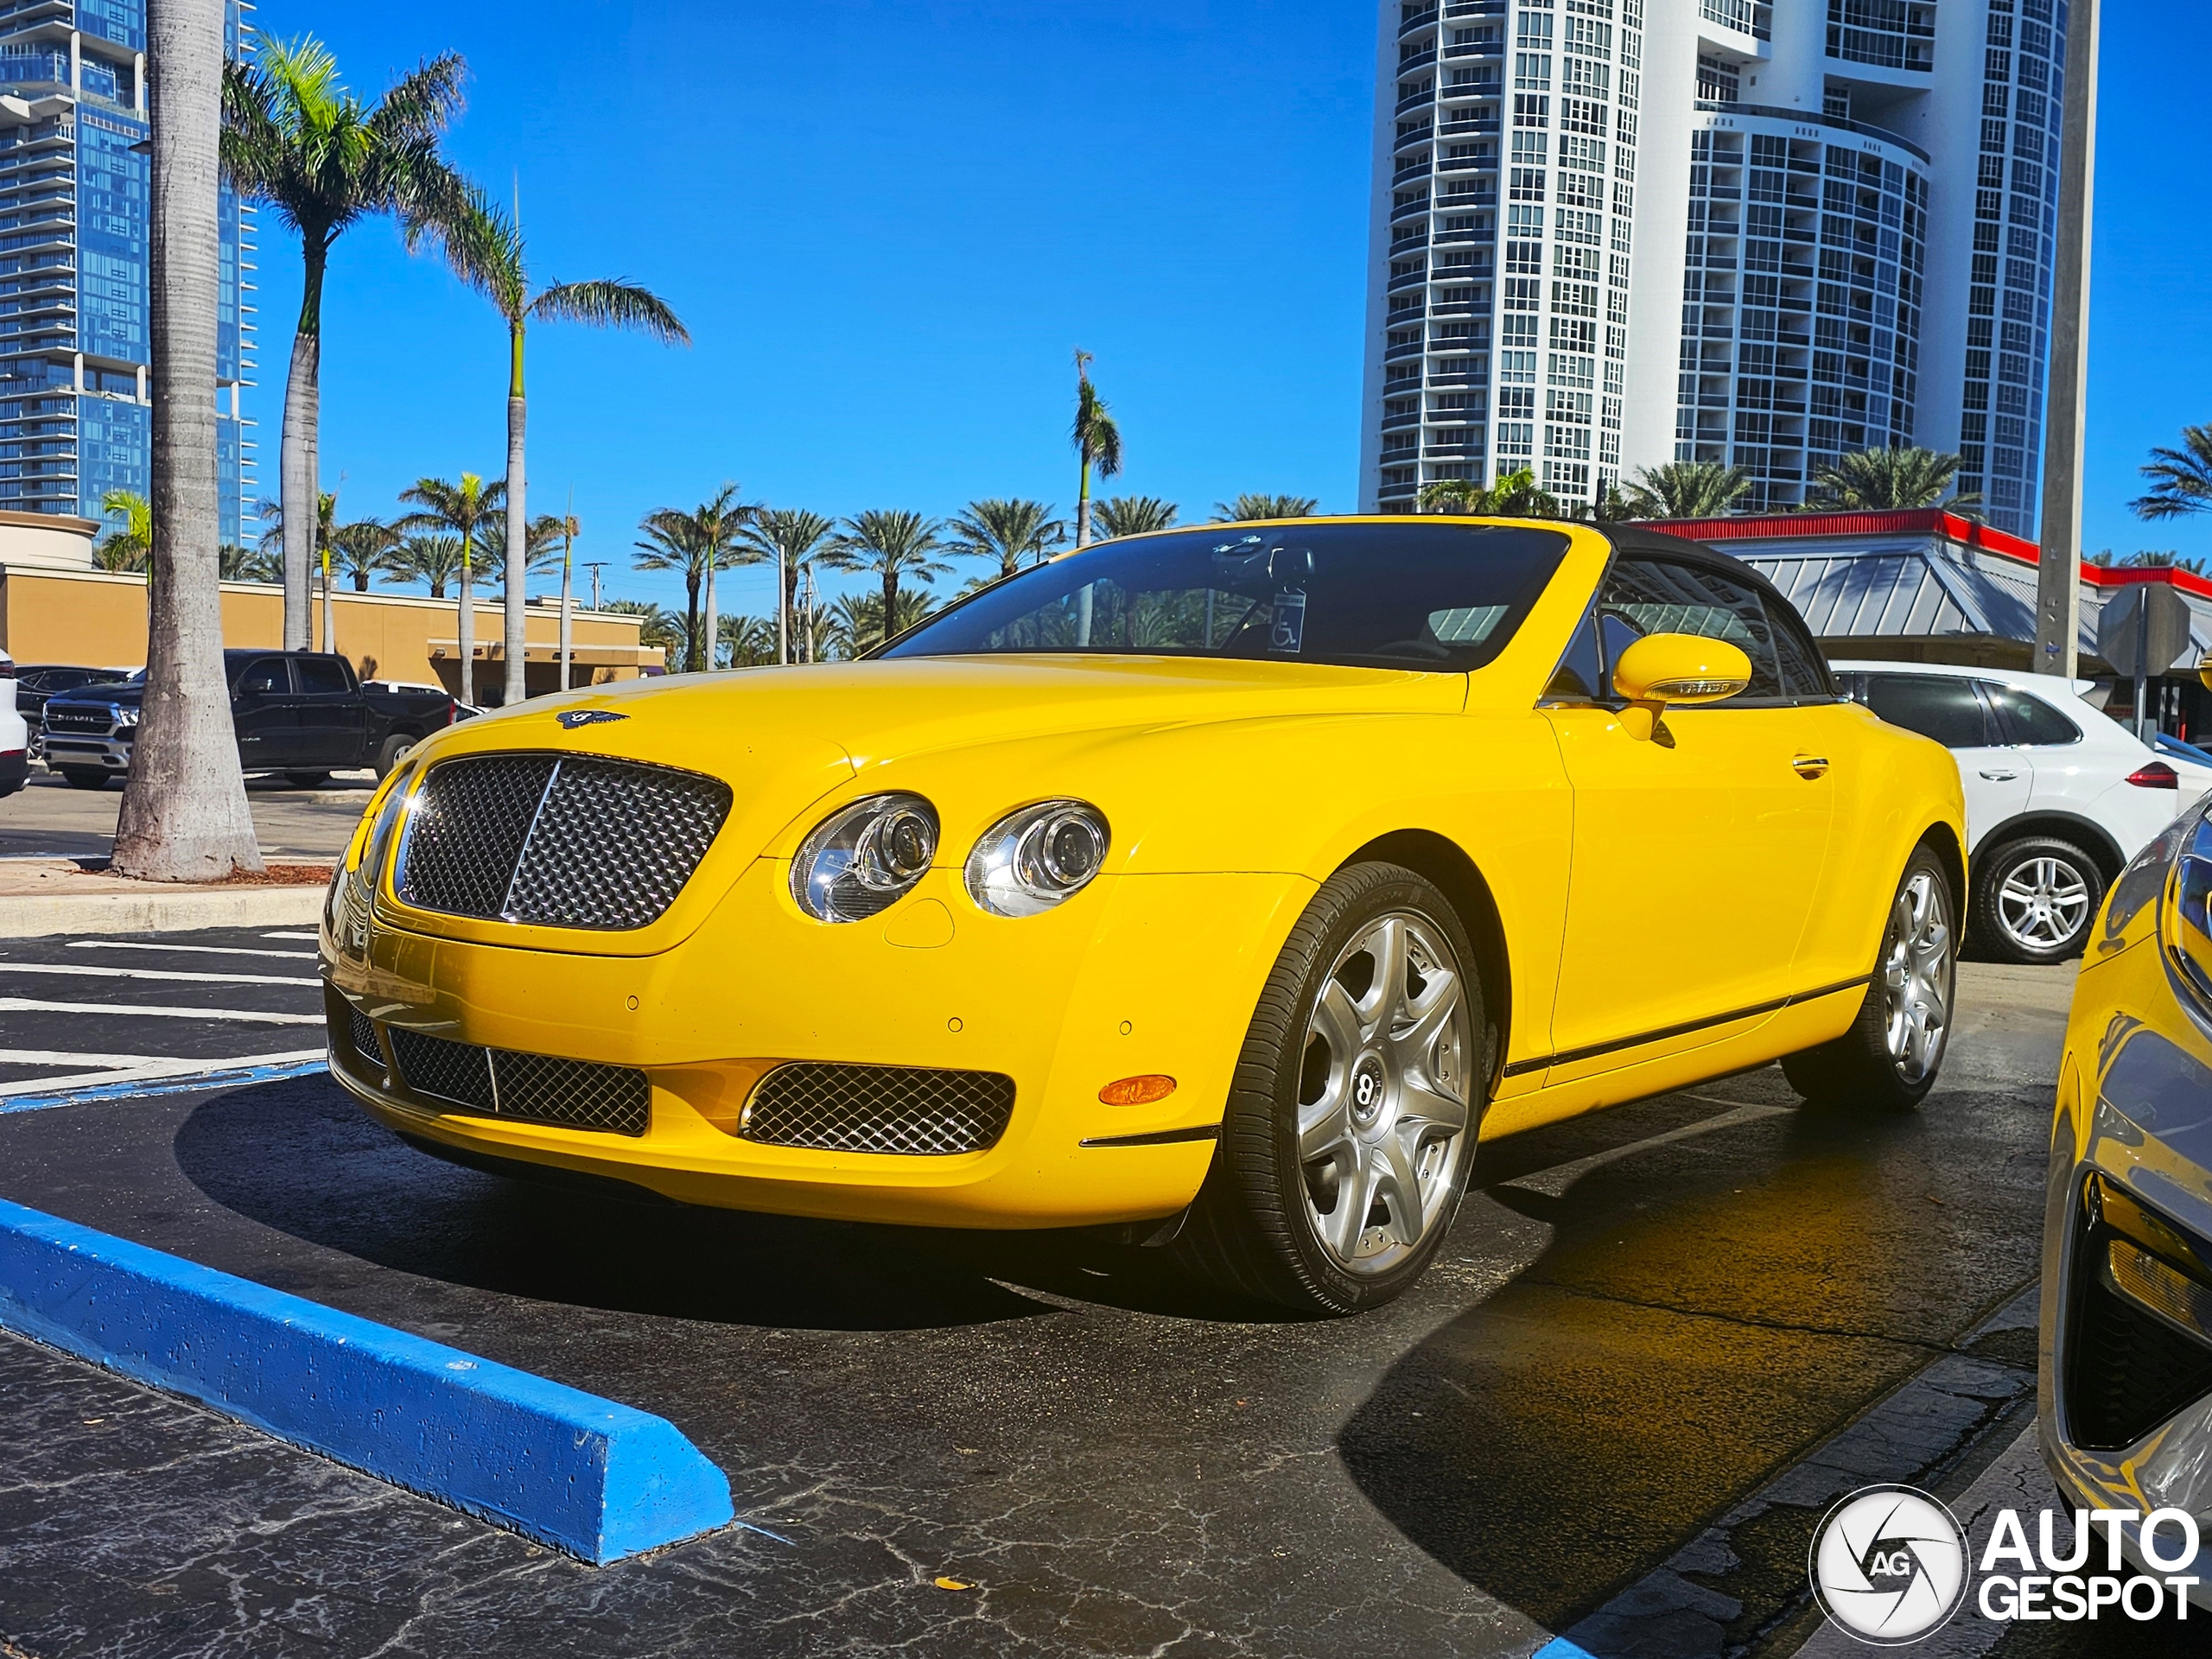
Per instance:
{"type": "Point", "coordinates": [40, 897]}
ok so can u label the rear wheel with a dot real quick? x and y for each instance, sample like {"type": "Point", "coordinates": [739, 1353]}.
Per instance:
{"type": "Point", "coordinates": [85, 776]}
{"type": "Point", "coordinates": [397, 748]}
{"type": "Point", "coordinates": [307, 780]}
{"type": "Point", "coordinates": [2035, 900]}
{"type": "Point", "coordinates": [1889, 1058]}
{"type": "Point", "coordinates": [1350, 1124]}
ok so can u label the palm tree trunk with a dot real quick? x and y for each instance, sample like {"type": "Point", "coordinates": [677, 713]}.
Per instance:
{"type": "Point", "coordinates": [297, 482]}
{"type": "Point", "coordinates": [568, 613]}
{"type": "Point", "coordinates": [707, 627]}
{"type": "Point", "coordinates": [890, 601]}
{"type": "Point", "coordinates": [783, 607]}
{"type": "Point", "coordinates": [691, 620]}
{"type": "Point", "coordinates": [184, 814]}
{"type": "Point", "coordinates": [329, 606]}
{"type": "Point", "coordinates": [1083, 507]}
{"type": "Point", "coordinates": [467, 640]}
{"type": "Point", "coordinates": [518, 530]}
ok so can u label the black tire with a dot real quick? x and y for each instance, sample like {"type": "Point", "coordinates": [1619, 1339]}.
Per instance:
{"type": "Point", "coordinates": [1250, 1231]}
{"type": "Point", "coordinates": [1858, 1069]}
{"type": "Point", "coordinates": [307, 780]}
{"type": "Point", "coordinates": [84, 777]}
{"type": "Point", "coordinates": [2028, 938]}
{"type": "Point", "coordinates": [396, 749]}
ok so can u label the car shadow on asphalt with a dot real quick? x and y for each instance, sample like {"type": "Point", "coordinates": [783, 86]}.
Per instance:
{"type": "Point", "coordinates": [301, 1157]}
{"type": "Point", "coordinates": [1706, 1311]}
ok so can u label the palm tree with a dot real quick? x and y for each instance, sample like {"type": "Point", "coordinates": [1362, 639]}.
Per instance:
{"type": "Point", "coordinates": [236, 563]}
{"type": "Point", "coordinates": [463, 508]}
{"type": "Point", "coordinates": [126, 547]}
{"type": "Point", "coordinates": [859, 617]}
{"type": "Point", "coordinates": [568, 527]}
{"type": "Point", "coordinates": [1134, 515]}
{"type": "Point", "coordinates": [792, 536]}
{"type": "Point", "coordinates": [1246, 507]}
{"type": "Point", "coordinates": [484, 248]}
{"type": "Point", "coordinates": [1098, 441]}
{"type": "Point", "coordinates": [751, 640]}
{"type": "Point", "coordinates": [1881, 479]}
{"type": "Point", "coordinates": [184, 814]}
{"type": "Point", "coordinates": [1514, 496]}
{"type": "Point", "coordinates": [435, 559]}
{"type": "Point", "coordinates": [1008, 533]}
{"type": "Point", "coordinates": [364, 550]}
{"type": "Point", "coordinates": [894, 546]}
{"type": "Point", "coordinates": [697, 544]}
{"type": "Point", "coordinates": [295, 140]}
{"type": "Point", "coordinates": [1686, 489]}
{"type": "Point", "coordinates": [1461, 497]}
{"type": "Point", "coordinates": [2181, 480]}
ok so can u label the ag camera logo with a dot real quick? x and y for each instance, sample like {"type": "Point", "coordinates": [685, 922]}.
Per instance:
{"type": "Point", "coordinates": [1888, 1564]}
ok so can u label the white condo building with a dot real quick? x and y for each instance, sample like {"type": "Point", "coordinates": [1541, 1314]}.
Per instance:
{"type": "Point", "coordinates": [1611, 233]}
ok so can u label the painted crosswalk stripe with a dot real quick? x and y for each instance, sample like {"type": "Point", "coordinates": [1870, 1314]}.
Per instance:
{"type": "Point", "coordinates": [69, 1057]}
{"type": "Point", "coordinates": [154, 1071]}
{"type": "Point", "coordinates": [87, 970]}
{"type": "Point", "coordinates": [39, 1005]}
{"type": "Point", "coordinates": [194, 950]}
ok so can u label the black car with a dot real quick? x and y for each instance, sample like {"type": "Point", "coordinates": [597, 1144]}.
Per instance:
{"type": "Point", "coordinates": [303, 713]}
{"type": "Point", "coordinates": [36, 682]}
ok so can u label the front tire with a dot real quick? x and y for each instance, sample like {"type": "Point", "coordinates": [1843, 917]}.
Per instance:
{"type": "Point", "coordinates": [1889, 1058]}
{"type": "Point", "coordinates": [1351, 1119]}
{"type": "Point", "coordinates": [2035, 900]}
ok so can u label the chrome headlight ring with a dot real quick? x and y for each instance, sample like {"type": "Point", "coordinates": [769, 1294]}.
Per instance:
{"type": "Point", "coordinates": [863, 858]}
{"type": "Point", "coordinates": [1038, 857]}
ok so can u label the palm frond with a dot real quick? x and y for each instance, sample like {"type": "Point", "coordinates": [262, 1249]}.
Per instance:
{"type": "Point", "coordinates": [610, 305]}
{"type": "Point", "coordinates": [2181, 480]}
{"type": "Point", "coordinates": [1264, 506]}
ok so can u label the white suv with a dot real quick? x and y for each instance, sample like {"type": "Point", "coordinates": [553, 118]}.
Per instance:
{"type": "Point", "coordinates": [2059, 795]}
{"type": "Point", "coordinates": [15, 734]}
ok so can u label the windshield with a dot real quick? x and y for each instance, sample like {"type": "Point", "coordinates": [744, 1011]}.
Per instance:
{"type": "Point", "coordinates": [1389, 595]}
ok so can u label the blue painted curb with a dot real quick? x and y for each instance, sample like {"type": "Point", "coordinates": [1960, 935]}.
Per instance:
{"type": "Point", "coordinates": [585, 1474]}
{"type": "Point", "coordinates": [1560, 1648]}
{"type": "Point", "coordinates": [216, 1077]}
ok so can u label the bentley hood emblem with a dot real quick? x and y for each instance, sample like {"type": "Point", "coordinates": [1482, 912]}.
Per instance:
{"type": "Point", "coordinates": [572, 718]}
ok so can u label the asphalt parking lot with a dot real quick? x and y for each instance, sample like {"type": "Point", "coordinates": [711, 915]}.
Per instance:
{"type": "Point", "coordinates": [1647, 1325]}
{"type": "Point", "coordinates": [47, 818]}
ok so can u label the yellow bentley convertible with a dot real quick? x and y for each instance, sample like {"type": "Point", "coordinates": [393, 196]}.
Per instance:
{"type": "Point", "coordinates": [1229, 884]}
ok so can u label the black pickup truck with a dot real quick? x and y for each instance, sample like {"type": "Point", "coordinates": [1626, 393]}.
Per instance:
{"type": "Point", "coordinates": [303, 713]}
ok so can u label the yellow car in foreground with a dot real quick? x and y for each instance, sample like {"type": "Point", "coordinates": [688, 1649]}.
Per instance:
{"type": "Point", "coordinates": [1231, 883]}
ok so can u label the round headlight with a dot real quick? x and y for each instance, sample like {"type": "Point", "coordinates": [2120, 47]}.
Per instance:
{"type": "Point", "coordinates": [862, 857]}
{"type": "Point", "coordinates": [1031, 859]}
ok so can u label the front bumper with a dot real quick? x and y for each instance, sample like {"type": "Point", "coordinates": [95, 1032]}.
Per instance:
{"type": "Point", "coordinates": [78, 749]}
{"type": "Point", "coordinates": [2126, 1394]}
{"type": "Point", "coordinates": [1140, 975]}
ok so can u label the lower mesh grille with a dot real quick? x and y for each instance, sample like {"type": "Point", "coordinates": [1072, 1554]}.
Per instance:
{"type": "Point", "coordinates": [529, 1088]}
{"type": "Point", "coordinates": [2126, 1372]}
{"type": "Point", "coordinates": [364, 1041]}
{"type": "Point", "coordinates": [913, 1110]}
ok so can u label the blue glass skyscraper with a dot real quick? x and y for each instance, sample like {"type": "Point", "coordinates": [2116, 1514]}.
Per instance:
{"type": "Point", "coordinates": [74, 260]}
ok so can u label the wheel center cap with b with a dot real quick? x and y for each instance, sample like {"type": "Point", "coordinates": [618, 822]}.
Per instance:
{"type": "Point", "coordinates": [1371, 1089]}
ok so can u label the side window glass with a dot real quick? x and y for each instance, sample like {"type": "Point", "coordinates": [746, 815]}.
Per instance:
{"type": "Point", "coordinates": [1803, 672]}
{"type": "Point", "coordinates": [320, 675]}
{"type": "Point", "coordinates": [1937, 706]}
{"type": "Point", "coordinates": [1580, 678]}
{"type": "Point", "coordinates": [266, 678]}
{"type": "Point", "coordinates": [2028, 718]}
{"type": "Point", "coordinates": [1656, 596]}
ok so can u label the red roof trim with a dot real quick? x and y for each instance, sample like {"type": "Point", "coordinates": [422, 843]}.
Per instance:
{"type": "Point", "coordinates": [1931, 521]}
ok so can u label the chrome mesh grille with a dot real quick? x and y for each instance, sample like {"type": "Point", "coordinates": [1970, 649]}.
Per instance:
{"type": "Point", "coordinates": [364, 1040]}
{"type": "Point", "coordinates": [562, 840]}
{"type": "Point", "coordinates": [530, 1088]}
{"type": "Point", "coordinates": [917, 1110]}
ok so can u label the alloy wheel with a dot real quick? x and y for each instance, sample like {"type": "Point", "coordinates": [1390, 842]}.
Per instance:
{"type": "Point", "coordinates": [1383, 1085]}
{"type": "Point", "coordinates": [2043, 903]}
{"type": "Point", "coordinates": [1918, 967]}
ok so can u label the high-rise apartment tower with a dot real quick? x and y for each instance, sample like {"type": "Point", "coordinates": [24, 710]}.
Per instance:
{"type": "Point", "coordinates": [74, 350]}
{"type": "Point", "coordinates": [1611, 233]}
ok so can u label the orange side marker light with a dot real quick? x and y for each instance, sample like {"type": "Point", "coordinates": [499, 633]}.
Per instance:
{"type": "Point", "coordinates": [1137, 1092]}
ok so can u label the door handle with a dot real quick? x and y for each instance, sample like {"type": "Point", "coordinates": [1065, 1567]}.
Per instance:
{"type": "Point", "coordinates": [2000, 775]}
{"type": "Point", "coordinates": [1810, 766]}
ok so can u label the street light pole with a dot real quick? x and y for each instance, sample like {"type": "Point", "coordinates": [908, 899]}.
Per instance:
{"type": "Point", "coordinates": [594, 569]}
{"type": "Point", "coordinates": [2058, 587]}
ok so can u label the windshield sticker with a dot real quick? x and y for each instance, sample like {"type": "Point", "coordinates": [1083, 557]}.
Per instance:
{"type": "Point", "coordinates": [1288, 633]}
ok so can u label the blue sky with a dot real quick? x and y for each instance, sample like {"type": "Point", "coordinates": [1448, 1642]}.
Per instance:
{"type": "Point", "coordinates": [887, 224]}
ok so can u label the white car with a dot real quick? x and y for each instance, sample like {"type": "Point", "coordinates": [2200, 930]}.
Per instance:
{"type": "Point", "coordinates": [2059, 795]}
{"type": "Point", "coordinates": [15, 734]}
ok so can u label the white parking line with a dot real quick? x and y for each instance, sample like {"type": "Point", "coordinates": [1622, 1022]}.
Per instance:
{"type": "Point", "coordinates": [84, 971]}
{"type": "Point", "coordinates": [63, 1057]}
{"type": "Point", "coordinates": [310, 937]}
{"type": "Point", "coordinates": [196, 949]}
{"type": "Point", "coordinates": [155, 1069]}
{"type": "Point", "coordinates": [35, 1005]}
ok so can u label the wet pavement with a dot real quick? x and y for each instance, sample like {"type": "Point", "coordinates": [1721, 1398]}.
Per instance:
{"type": "Point", "coordinates": [1641, 1317]}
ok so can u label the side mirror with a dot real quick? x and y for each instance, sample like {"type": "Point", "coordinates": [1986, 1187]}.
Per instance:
{"type": "Point", "coordinates": [1668, 668]}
